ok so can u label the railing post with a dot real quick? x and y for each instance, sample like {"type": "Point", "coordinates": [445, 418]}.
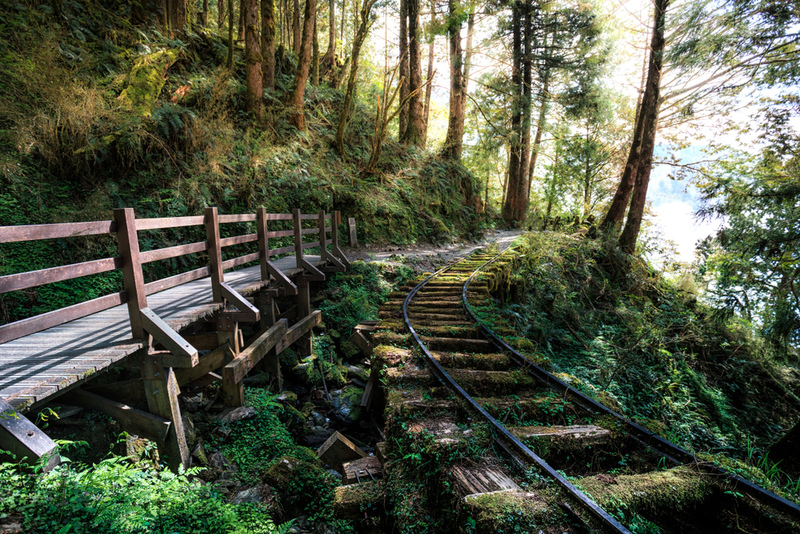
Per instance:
{"type": "Point", "coordinates": [336, 219]}
{"type": "Point", "coordinates": [132, 277]}
{"type": "Point", "coordinates": [351, 224]}
{"type": "Point", "coordinates": [263, 242]}
{"type": "Point", "coordinates": [214, 252]}
{"type": "Point", "coordinates": [298, 238]}
{"type": "Point", "coordinates": [323, 251]}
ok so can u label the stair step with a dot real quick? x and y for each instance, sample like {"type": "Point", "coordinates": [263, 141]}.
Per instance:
{"type": "Point", "coordinates": [575, 436]}
{"type": "Point", "coordinates": [476, 480]}
{"type": "Point", "coordinates": [464, 360]}
{"type": "Point", "coordinates": [459, 344]}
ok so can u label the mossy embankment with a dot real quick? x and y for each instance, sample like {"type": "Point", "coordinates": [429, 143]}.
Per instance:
{"type": "Point", "coordinates": [645, 344]}
{"type": "Point", "coordinates": [100, 109]}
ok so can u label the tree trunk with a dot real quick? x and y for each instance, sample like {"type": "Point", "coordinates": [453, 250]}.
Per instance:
{"type": "Point", "coordinates": [343, 16]}
{"type": "Point", "coordinates": [268, 43]}
{"type": "Point", "coordinates": [174, 15]}
{"type": "Point", "coordinates": [330, 53]}
{"type": "Point", "coordinates": [587, 175]}
{"type": "Point", "coordinates": [415, 126]}
{"type": "Point", "coordinates": [230, 33]}
{"type": "Point", "coordinates": [362, 27]}
{"type": "Point", "coordinates": [204, 19]}
{"type": "Point", "coordinates": [468, 51]}
{"type": "Point", "coordinates": [315, 56]}
{"type": "Point", "coordinates": [541, 124]}
{"type": "Point", "coordinates": [403, 72]}
{"type": "Point", "coordinates": [429, 87]}
{"type": "Point", "coordinates": [649, 120]}
{"type": "Point", "coordinates": [296, 38]}
{"type": "Point", "coordinates": [242, 10]}
{"type": "Point", "coordinates": [527, 73]}
{"type": "Point", "coordinates": [297, 117]}
{"type": "Point", "coordinates": [221, 14]}
{"type": "Point", "coordinates": [455, 124]}
{"type": "Point", "coordinates": [255, 92]}
{"type": "Point", "coordinates": [512, 211]}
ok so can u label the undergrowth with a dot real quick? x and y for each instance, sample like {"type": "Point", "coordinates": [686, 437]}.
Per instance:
{"type": "Point", "coordinates": [72, 146]}
{"type": "Point", "coordinates": [117, 496]}
{"type": "Point", "coordinates": [642, 345]}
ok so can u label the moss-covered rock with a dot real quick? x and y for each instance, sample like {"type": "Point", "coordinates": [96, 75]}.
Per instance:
{"type": "Point", "coordinates": [146, 80]}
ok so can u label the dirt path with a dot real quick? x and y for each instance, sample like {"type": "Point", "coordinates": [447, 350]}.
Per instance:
{"type": "Point", "coordinates": [429, 257]}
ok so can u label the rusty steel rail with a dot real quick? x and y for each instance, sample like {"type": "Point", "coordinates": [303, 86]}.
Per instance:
{"type": "Point", "coordinates": [654, 442]}
{"type": "Point", "coordinates": [505, 436]}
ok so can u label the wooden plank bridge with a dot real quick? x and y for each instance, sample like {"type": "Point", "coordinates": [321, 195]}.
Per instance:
{"type": "Point", "coordinates": [175, 330]}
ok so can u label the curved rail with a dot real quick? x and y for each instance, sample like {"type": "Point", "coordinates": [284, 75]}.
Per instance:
{"type": "Point", "coordinates": [509, 439]}
{"type": "Point", "coordinates": [661, 446]}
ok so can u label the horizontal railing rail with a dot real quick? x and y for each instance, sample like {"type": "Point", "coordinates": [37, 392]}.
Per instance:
{"type": "Point", "coordinates": [126, 228]}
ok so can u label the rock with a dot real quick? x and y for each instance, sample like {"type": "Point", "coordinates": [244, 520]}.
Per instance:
{"type": "Point", "coordinates": [347, 404]}
{"type": "Point", "coordinates": [354, 371]}
{"type": "Point", "coordinates": [237, 414]}
{"type": "Point", "coordinates": [199, 454]}
{"type": "Point", "coordinates": [287, 397]}
{"type": "Point", "coordinates": [316, 435]}
{"type": "Point", "coordinates": [223, 465]}
{"type": "Point", "coordinates": [250, 495]}
{"type": "Point", "coordinates": [11, 525]}
{"type": "Point", "coordinates": [318, 419]}
{"type": "Point", "coordinates": [194, 403]}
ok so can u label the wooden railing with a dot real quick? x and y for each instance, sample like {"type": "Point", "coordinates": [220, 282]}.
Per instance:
{"type": "Point", "coordinates": [130, 261]}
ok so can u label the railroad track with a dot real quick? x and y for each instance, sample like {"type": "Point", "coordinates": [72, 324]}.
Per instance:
{"type": "Point", "coordinates": [559, 458]}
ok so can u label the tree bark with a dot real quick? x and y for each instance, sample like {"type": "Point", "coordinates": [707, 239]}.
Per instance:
{"type": "Point", "coordinates": [455, 124]}
{"type": "Point", "coordinates": [415, 126]}
{"type": "Point", "coordinates": [649, 119]}
{"type": "Point", "coordinates": [403, 71]}
{"type": "Point", "coordinates": [297, 117]}
{"type": "Point", "coordinates": [174, 15]}
{"type": "Point", "coordinates": [268, 43]}
{"type": "Point", "coordinates": [296, 38]}
{"type": "Point", "coordinates": [255, 91]}
{"type": "Point", "coordinates": [204, 19]}
{"type": "Point", "coordinates": [429, 87]}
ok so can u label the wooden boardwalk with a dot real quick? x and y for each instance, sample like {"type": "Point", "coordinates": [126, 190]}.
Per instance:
{"type": "Point", "coordinates": [38, 366]}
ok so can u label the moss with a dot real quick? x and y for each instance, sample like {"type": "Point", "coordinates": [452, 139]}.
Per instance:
{"type": "Point", "coordinates": [390, 356]}
{"type": "Point", "coordinates": [357, 500]}
{"type": "Point", "coordinates": [672, 489]}
{"type": "Point", "coordinates": [512, 512]}
{"type": "Point", "coordinates": [146, 80]}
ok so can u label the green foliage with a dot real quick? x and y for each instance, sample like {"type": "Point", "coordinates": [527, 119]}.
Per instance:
{"type": "Point", "coordinates": [639, 345]}
{"type": "Point", "coordinates": [115, 496]}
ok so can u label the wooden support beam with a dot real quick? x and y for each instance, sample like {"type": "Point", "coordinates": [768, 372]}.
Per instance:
{"type": "Point", "coordinates": [124, 391]}
{"type": "Point", "coordinates": [325, 255]}
{"type": "Point", "coordinates": [202, 341]}
{"type": "Point", "coordinates": [133, 421]}
{"type": "Point", "coordinates": [312, 274]}
{"type": "Point", "coordinates": [298, 239]}
{"type": "Point", "coordinates": [369, 390]}
{"type": "Point", "coordinates": [360, 341]}
{"type": "Point", "coordinates": [338, 450]}
{"type": "Point", "coordinates": [214, 252]}
{"type": "Point", "coordinates": [236, 370]}
{"type": "Point", "coordinates": [23, 439]}
{"type": "Point", "coordinates": [212, 361]}
{"type": "Point", "coordinates": [161, 388]}
{"type": "Point", "coordinates": [288, 286]}
{"type": "Point", "coordinates": [185, 355]}
{"type": "Point", "coordinates": [298, 330]}
{"type": "Point", "coordinates": [247, 312]}
{"type": "Point", "coordinates": [132, 277]}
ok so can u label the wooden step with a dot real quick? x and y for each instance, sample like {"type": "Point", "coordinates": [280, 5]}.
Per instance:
{"type": "Point", "coordinates": [444, 430]}
{"type": "Point", "coordinates": [459, 345]}
{"type": "Point", "coordinates": [466, 360]}
{"type": "Point", "coordinates": [564, 437]}
{"type": "Point", "coordinates": [351, 501]}
{"type": "Point", "coordinates": [476, 480]}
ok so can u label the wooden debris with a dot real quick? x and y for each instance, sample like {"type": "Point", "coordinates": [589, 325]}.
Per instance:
{"type": "Point", "coordinates": [576, 435]}
{"type": "Point", "coordinates": [24, 439]}
{"type": "Point", "coordinates": [362, 470]}
{"type": "Point", "coordinates": [470, 481]}
{"type": "Point", "coordinates": [338, 450]}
